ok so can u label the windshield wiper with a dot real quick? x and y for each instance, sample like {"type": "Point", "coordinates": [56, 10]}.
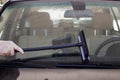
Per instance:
{"type": "Point", "coordinates": [24, 64]}
{"type": "Point", "coordinates": [29, 62]}
{"type": "Point", "coordinates": [19, 64]}
{"type": "Point", "coordinates": [89, 66]}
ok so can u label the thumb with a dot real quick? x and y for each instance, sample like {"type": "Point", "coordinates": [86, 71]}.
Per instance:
{"type": "Point", "coordinates": [17, 48]}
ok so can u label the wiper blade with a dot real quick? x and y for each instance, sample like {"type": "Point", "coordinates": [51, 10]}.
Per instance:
{"type": "Point", "coordinates": [89, 66]}
{"type": "Point", "coordinates": [19, 64]}
{"type": "Point", "coordinates": [27, 62]}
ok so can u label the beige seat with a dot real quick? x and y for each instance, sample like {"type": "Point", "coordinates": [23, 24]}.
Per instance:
{"type": "Point", "coordinates": [66, 25]}
{"type": "Point", "coordinates": [102, 22]}
{"type": "Point", "coordinates": [67, 30]}
{"type": "Point", "coordinates": [102, 27]}
{"type": "Point", "coordinates": [39, 23]}
{"type": "Point", "coordinates": [40, 27]}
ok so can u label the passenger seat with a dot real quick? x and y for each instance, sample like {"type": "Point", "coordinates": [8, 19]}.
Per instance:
{"type": "Point", "coordinates": [40, 27]}
{"type": "Point", "coordinates": [102, 25]}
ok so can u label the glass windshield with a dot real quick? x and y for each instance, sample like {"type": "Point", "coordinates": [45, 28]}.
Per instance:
{"type": "Point", "coordinates": [36, 24]}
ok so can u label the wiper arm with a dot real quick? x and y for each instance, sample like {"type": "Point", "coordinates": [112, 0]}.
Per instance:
{"type": "Point", "coordinates": [22, 64]}
{"type": "Point", "coordinates": [19, 63]}
{"type": "Point", "coordinates": [89, 66]}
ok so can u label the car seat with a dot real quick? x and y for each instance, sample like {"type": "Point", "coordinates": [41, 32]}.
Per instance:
{"type": "Point", "coordinates": [102, 25]}
{"type": "Point", "coordinates": [40, 27]}
{"type": "Point", "coordinates": [39, 23]}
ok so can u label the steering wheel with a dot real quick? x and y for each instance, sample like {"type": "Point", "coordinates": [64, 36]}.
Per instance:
{"type": "Point", "coordinates": [113, 39]}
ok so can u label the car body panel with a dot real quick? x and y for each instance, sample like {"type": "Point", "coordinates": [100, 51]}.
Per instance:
{"type": "Point", "coordinates": [69, 74]}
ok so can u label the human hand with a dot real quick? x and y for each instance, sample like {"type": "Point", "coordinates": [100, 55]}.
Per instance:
{"type": "Point", "coordinates": [7, 48]}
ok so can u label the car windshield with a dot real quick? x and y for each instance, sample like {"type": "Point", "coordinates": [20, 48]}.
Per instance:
{"type": "Point", "coordinates": [39, 24]}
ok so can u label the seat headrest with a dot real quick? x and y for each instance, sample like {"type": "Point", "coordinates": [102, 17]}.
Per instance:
{"type": "Point", "coordinates": [66, 23]}
{"type": "Point", "coordinates": [39, 19]}
{"type": "Point", "coordinates": [102, 21]}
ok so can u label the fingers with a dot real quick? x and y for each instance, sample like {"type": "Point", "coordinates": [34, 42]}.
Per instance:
{"type": "Point", "coordinates": [7, 48]}
{"type": "Point", "coordinates": [18, 49]}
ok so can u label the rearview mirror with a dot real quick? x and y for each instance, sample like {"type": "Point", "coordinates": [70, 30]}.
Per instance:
{"type": "Point", "coordinates": [78, 13]}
